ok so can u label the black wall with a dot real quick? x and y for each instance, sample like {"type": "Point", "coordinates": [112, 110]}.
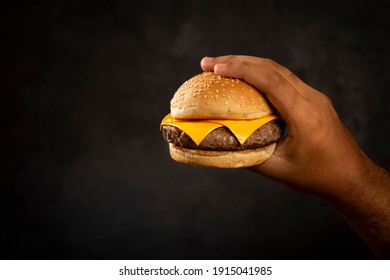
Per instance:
{"type": "Point", "coordinates": [86, 84]}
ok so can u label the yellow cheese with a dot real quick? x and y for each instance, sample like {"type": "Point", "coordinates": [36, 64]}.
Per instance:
{"type": "Point", "coordinates": [198, 129]}
{"type": "Point", "coordinates": [243, 129]}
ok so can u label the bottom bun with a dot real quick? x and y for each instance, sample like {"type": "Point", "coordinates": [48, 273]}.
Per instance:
{"type": "Point", "coordinates": [222, 159]}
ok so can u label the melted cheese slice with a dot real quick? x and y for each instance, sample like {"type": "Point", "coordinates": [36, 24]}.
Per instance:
{"type": "Point", "coordinates": [198, 129]}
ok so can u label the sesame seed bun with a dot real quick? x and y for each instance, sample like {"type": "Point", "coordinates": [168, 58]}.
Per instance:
{"type": "Point", "coordinates": [221, 159]}
{"type": "Point", "coordinates": [210, 96]}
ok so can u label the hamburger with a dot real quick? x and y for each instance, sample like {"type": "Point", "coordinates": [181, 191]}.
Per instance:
{"type": "Point", "coordinates": [220, 122]}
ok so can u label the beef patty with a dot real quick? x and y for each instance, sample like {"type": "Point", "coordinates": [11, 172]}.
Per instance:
{"type": "Point", "coordinates": [221, 139]}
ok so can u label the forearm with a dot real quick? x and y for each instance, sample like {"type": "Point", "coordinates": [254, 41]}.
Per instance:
{"type": "Point", "coordinates": [367, 209]}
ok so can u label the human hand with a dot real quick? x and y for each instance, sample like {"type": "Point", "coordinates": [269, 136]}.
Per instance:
{"type": "Point", "coordinates": [319, 155]}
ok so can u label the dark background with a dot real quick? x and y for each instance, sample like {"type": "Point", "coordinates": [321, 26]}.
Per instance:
{"type": "Point", "coordinates": [86, 84]}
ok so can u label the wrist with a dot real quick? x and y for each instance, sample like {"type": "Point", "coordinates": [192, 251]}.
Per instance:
{"type": "Point", "coordinates": [365, 184]}
{"type": "Point", "coordinates": [365, 206]}
{"type": "Point", "coordinates": [357, 178]}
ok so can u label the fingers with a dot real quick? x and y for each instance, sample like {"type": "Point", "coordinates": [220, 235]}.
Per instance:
{"type": "Point", "coordinates": [208, 64]}
{"type": "Point", "coordinates": [274, 86]}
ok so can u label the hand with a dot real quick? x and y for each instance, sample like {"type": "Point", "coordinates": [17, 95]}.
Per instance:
{"type": "Point", "coordinates": [319, 155]}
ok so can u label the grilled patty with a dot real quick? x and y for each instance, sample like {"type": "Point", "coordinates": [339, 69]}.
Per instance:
{"type": "Point", "coordinates": [221, 139]}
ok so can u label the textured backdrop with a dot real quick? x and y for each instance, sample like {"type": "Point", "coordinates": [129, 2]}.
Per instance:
{"type": "Point", "coordinates": [86, 84]}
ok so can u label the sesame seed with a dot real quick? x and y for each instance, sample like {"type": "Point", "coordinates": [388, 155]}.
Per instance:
{"type": "Point", "coordinates": [226, 103]}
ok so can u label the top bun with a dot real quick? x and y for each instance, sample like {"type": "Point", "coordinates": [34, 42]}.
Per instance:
{"type": "Point", "coordinates": [210, 96]}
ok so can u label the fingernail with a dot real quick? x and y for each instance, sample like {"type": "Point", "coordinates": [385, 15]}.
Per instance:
{"type": "Point", "coordinates": [220, 67]}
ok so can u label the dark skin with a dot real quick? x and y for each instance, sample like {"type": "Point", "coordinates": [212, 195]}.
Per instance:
{"type": "Point", "coordinates": [319, 156]}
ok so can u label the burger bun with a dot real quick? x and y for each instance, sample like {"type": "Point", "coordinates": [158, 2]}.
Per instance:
{"type": "Point", "coordinates": [221, 159]}
{"type": "Point", "coordinates": [210, 96]}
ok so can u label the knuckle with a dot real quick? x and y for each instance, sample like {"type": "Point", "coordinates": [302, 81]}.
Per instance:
{"type": "Point", "coordinates": [273, 78]}
{"type": "Point", "coordinates": [270, 63]}
{"type": "Point", "coordinates": [293, 96]}
{"type": "Point", "coordinates": [326, 100]}
{"type": "Point", "coordinates": [318, 112]}
{"type": "Point", "coordinates": [323, 101]}
{"type": "Point", "coordinates": [244, 67]}
{"type": "Point", "coordinates": [230, 58]}
{"type": "Point", "coordinates": [293, 78]}
{"type": "Point", "coordinates": [311, 120]}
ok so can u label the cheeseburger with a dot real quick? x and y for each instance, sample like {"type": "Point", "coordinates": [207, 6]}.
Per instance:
{"type": "Point", "coordinates": [220, 122]}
